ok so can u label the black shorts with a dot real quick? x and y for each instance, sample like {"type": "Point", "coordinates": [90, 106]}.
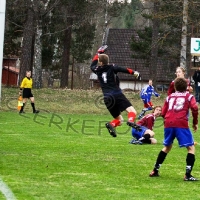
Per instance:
{"type": "Point", "coordinates": [27, 93]}
{"type": "Point", "coordinates": [116, 104]}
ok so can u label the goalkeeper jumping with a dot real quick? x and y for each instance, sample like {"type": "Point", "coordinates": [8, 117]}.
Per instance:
{"type": "Point", "coordinates": [114, 99]}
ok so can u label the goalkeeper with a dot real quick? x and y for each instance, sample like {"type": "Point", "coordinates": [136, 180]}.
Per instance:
{"type": "Point", "coordinates": [114, 99]}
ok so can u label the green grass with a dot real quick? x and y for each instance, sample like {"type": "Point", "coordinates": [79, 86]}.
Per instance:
{"type": "Point", "coordinates": [66, 153]}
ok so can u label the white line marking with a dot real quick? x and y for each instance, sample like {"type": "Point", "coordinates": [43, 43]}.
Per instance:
{"type": "Point", "coordinates": [6, 191]}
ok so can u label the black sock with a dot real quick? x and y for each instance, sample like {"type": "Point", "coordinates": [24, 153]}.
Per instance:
{"type": "Point", "coordinates": [33, 106]}
{"type": "Point", "coordinates": [160, 159]}
{"type": "Point", "coordinates": [146, 136]}
{"type": "Point", "coordinates": [146, 141]}
{"type": "Point", "coordinates": [22, 108]}
{"type": "Point", "coordinates": [190, 159]}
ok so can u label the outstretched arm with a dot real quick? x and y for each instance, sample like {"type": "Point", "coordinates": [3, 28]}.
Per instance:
{"type": "Point", "coordinates": [155, 93]}
{"type": "Point", "coordinates": [127, 71]}
{"type": "Point", "coordinates": [101, 50]}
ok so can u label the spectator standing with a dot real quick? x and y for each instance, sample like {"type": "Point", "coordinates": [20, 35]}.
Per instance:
{"type": "Point", "coordinates": [196, 78]}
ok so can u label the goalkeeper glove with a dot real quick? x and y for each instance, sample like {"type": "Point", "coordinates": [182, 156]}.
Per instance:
{"type": "Point", "coordinates": [137, 75]}
{"type": "Point", "coordinates": [102, 49]}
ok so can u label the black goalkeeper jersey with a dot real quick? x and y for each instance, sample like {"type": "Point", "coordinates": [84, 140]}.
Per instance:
{"type": "Point", "coordinates": [107, 76]}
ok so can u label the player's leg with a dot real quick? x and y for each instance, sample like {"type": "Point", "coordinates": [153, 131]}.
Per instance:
{"type": "Point", "coordinates": [190, 159]}
{"type": "Point", "coordinates": [131, 118]}
{"type": "Point", "coordinates": [25, 96]}
{"type": "Point", "coordinates": [111, 104]}
{"type": "Point", "coordinates": [169, 136]}
{"type": "Point", "coordinates": [32, 99]}
{"type": "Point", "coordinates": [145, 101]}
{"type": "Point", "coordinates": [137, 135]}
{"type": "Point", "coordinates": [117, 121]}
{"type": "Point", "coordinates": [148, 106]}
{"type": "Point", "coordinates": [185, 139]}
{"type": "Point", "coordinates": [22, 107]}
{"type": "Point", "coordinates": [147, 137]}
{"type": "Point", "coordinates": [160, 159]}
{"type": "Point", "coordinates": [121, 104]}
{"type": "Point", "coordinates": [153, 141]}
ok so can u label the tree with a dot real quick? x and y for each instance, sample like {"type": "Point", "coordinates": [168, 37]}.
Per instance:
{"type": "Point", "coordinates": [28, 43]}
{"type": "Point", "coordinates": [19, 24]}
{"type": "Point", "coordinates": [13, 31]}
{"type": "Point", "coordinates": [155, 41]}
{"type": "Point", "coordinates": [128, 15]}
{"type": "Point", "coordinates": [76, 14]}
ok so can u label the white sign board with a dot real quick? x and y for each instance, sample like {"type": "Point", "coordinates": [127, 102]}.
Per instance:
{"type": "Point", "coordinates": [195, 46]}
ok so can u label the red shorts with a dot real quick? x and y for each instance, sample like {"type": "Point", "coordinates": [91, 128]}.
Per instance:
{"type": "Point", "coordinates": [149, 104]}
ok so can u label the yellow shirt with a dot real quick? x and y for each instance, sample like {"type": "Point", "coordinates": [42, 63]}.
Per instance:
{"type": "Point", "coordinates": [26, 83]}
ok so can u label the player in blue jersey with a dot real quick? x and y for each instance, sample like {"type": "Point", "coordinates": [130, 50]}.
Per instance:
{"type": "Point", "coordinates": [145, 95]}
{"type": "Point", "coordinates": [146, 134]}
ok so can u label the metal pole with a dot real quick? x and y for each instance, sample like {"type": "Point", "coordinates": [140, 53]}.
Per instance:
{"type": "Point", "coordinates": [2, 27]}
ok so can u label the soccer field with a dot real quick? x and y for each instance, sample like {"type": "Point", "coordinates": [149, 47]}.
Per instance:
{"type": "Point", "coordinates": [58, 156]}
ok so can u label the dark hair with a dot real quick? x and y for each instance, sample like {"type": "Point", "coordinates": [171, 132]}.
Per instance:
{"type": "Point", "coordinates": [180, 84]}
{"type": "Point", "coordinates": [104, 59]}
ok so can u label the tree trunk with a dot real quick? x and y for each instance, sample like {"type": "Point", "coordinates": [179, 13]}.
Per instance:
{"type": "Point", "coordinates": [154, 48]}
{"type": "Point", "coordinates": [27, 52]}
{"type": "Point", "coordinates": [184, 35]}
{"type": "Point", "coordinates": [66, 54]}
{"type": "Point", "coordinates": [37, 67]}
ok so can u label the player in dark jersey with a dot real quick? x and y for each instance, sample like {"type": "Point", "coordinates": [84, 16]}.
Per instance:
{"type": "Point", "coordinates": [180, 73]}
{"type": "Point", "coordinates": [146, 135]}
{"type": "Point", "coordinates": [175, 113]}
{"type": "Point", "coordinates": [114, 99]}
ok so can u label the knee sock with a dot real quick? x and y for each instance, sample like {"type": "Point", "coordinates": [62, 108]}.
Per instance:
{"type": "Point", "coordinates": [115, 122]}
{"type": "Point", "coordinates": [33, 106]}
{"type": "Point", "coordinates": [146, 138]}
{"type": "Point", "coordinates": [146, 141]}
{"type": "Point", "coordinates": [147, 109]}
{"type": "Point", "coordinates": [131, 116]}
{"type": "Point", "coordinates": [190, 159]}
{"type": "Point", "coordinates": [22, 108]}
{"type": "Point", "coordinates": [160, 159]}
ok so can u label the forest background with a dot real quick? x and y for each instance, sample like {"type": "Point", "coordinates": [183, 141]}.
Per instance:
{"type": "Point", "coordinates": [57, 39]}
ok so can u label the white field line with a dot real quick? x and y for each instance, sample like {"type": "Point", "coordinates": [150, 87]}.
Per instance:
{"type": "Point", "coordinates": [10, 123]}
{"type": "Point", "coordinates": [6, 191]}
